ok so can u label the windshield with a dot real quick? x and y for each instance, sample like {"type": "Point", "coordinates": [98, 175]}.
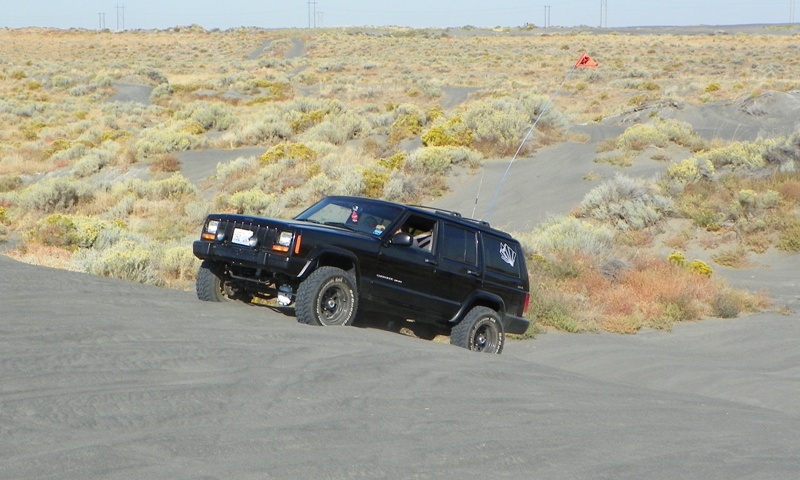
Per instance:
{"type": "Point", "coordinates": [353, 213]}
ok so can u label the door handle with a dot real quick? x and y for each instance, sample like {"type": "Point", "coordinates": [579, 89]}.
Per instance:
{"type": "Point", "coordinates": [431, 262]}
{"type": "Point", "coordinates": [473, 273]}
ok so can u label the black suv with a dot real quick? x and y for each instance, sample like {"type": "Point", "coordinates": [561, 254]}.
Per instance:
{"type": "Point", "coordinates": [430, 270]}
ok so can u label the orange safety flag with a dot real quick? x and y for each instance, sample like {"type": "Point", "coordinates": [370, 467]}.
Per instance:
{"type": "Point", "coordinates": [586, 61]}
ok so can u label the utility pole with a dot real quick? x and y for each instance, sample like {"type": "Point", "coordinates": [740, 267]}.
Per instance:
{"type": "Point", "coordinates": [312, 13]}
{"type": "Point", "coordinates": [121, 7]}
{"type": "Point", "coordinates": [546, 16]}
{"type": "Point", "coordinates": [101, 17]}
{"type": "Point", "coordinates": [603, 13]}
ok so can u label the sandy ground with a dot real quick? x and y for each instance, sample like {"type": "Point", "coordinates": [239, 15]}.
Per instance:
{"type": "Point", "coordinates": [102, 379]}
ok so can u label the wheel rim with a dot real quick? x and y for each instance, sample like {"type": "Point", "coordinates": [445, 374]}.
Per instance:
{"type": "Point", "coordinates": [485, 338]}
{"type": "Point", "coordinates": [333, 305]}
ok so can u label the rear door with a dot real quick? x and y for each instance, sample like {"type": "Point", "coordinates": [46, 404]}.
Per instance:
{"type": "Point", "coordinates": [458, 272]}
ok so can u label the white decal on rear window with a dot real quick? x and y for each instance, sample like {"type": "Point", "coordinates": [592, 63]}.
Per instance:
{"type": "Point", "coordinates": [508, 254]}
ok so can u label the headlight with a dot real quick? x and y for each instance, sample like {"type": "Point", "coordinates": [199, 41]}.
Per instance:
{"type": "Point", "coordinates": [285, 239]}
{"type": "Point", "coordinates": [212, 226]}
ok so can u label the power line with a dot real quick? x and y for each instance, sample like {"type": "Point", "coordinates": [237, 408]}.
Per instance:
{"type": "Point", "coordinates": [546, 16]}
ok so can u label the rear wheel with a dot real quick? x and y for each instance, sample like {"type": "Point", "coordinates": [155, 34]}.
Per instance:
{"type": "Point", "coordinates": [210, 283]}
{"type": "Point", "coordinates": [327, 297]}
{"type": "Point", "coordinates": [480, 331]}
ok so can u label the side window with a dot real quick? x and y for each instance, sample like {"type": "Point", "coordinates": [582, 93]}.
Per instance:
{"type": "Point", "coordinates": [501, 255]}
{"type": "Point", "coordinates": [460, 245]}
{"type": "Point", "coordinates": [423, 230]}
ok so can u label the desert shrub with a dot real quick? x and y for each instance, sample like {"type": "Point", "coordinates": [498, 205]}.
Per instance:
{"type": "Point", "coordinates": [727, 304]}
{"type": "Point", "coordinates": [395, 162]}
{"type": "Point", "coordinates": [626, 203]}
{"type": "Point", "coordinates": [70, 230]}
{"type": "Point", "coordinates": [94, 161]}
{"type": "Point", "coordinates": [785, 156]}
{"type": "Point", "coordinates": [700, 267]}
{"type": "Point", "coordinates": [125, 260]}
{"type": "Point", "coordinates": [769, 200]}
{"type": "Point", "coordinates": [437, 161]}
{"type": "Point", "coordinates": [152, 74]}
{"type": "Point", "coordinates": [122, 208]}
{"type": "Point", "coordinates": [640, 136]}
{"type": "Point", "coordinates": [789, 236]}
{"type": "Point", "coordinates": [705, 218]}
{"type": "Point", "coordinates": [10, 183]}
{"type": "Point", "coordinates": [374, 181]}
{"type": "Point", "coordinates": [294, 151]}
{"type": "Point", "coordinates": [731, 257]}
{"type": "Point", "coordinates": [236, 168]}
{"type": "Point", "coordinates": [168, 138]}
{"type": "Point", "coordinates": [452, 132]}
{"type": "Point", "coordinates": [61, 81]}
{"type": "Point", "coordinates": [498, 125]}
{"type": "Point", "coordinates": [567, 236]}
{"type": "Point", "coordinates": [738, 155]}
{"type": "Point", "coordinates": [337, 129]}
{"type": "Point", "coordinates": [681, 133]}
{"type": "Point", "coordinates": [173, 187]}
{"type": "Point", "coordinates": [254, 202]}
{"type": "Point", "coordinates": [165, 163]}
{"type": "Point", "coordinates": [178, 262]}
{"type": "Point", "coordinates": [211, 115]}
{"type": "Point", "coordinates": [401, 187]}
{"type": "Point", "coordinates": [196, 212]}
{"type": "Point", "coordinates": [550, 309]}
{"type": "Point", "coordinates": [56, 146]}
{"type": "Point", "coordinates": [55, 230]}
{"type": "Point", "coordinates": [53, 194]}
{"type": "Point", "coordinates": [689, 170]}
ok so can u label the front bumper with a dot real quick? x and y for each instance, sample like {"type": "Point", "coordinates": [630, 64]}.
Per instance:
{"type": "Point", "coordinates": [248, 257]}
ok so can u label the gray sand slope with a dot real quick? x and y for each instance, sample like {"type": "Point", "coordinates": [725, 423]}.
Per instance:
{"type": "Point", "coordinates": [101, 379]}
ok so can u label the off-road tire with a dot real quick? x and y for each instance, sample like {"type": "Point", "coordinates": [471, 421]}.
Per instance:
{"type": "Point", "coordinates": [209, 283]}
{"type": "Point", "coordinates": [480, 331]}
{"type": "Point", "coordinates": [327, 297]}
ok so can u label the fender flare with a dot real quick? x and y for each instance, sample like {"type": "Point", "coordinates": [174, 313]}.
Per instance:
{"type": "Point", "coordinates": [480, 297]}
{"type": "Point", "coordinates": [317, 257]}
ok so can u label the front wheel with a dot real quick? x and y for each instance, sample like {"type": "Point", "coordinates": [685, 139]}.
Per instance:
{"type": "Point", "coordinates": [480, 331]}
{"type": "Point", "coordinates": [327, 297]}
{"type": "Point", "coordinates": [209, 283]}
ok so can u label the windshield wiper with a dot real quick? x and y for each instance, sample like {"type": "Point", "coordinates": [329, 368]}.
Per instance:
{"type": "Point", "coordinates": [340, 224]}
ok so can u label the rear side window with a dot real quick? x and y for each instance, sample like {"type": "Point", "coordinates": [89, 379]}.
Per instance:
{"type": "Point", "coordinates": [501, 255]}
{"type": "Point", "coordinates": [460, 245]}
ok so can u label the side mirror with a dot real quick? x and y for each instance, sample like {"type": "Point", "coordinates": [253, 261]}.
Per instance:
{"type": "Point", "coordinates": [402, 239]}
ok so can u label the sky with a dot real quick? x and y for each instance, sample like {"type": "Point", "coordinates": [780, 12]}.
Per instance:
{"type": "Point", "coordinates": [210, 14]}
